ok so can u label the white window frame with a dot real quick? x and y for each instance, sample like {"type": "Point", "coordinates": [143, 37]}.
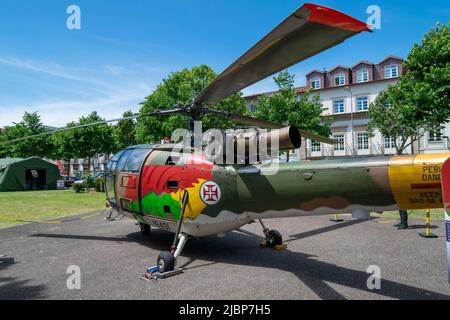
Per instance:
{"type": "Point", "coordinates": [388, 143]}
{"type": "Point", "coordinates": [363, 146]}
{"type": "Point", "coordinates": [359, 75]}
{"type": "Point", "coordinates": [358, 99]}
{"type": "Point", "coordinates": [435, 137]}
{"type": "Point", "coordinates": [314, 82]}
{"type": "Point", "coordinates": [316, 146]}
{"type": "Point", "coordinates": [343, 106]}
{"type": "Point", "coordinates": [341, 145]}
{"type": "Point", "coordinates": [341, 78]}
{"type": "Point", "coordinates": [388, 74]}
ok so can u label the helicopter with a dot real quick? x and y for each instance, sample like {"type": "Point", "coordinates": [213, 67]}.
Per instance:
{"type": "Point", "coordinates": [181, 189]}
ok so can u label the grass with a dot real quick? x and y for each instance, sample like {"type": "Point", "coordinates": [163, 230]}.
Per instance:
{"type": "Point", "coordinates": [436, 214]}
{"type": "Point", "coordinates": [25, 207]}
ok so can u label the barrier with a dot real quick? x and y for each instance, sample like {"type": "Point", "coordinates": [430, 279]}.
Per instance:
{"type": "Point", "coordinates": [427, 233]}
{"type": "Point", "coordinates": [336, 218]}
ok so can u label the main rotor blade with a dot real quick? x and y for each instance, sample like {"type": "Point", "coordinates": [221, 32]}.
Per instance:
{"type": "Point", "coordinates": [156, 113]}
{"type": "Point", "coordinates": [308, 31]}
{"type": "Point", "coordinates": [250, 121]}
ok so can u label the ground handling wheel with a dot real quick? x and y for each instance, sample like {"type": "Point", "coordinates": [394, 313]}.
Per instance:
{"type": "Point", "coordinates": [165, 262]}
{"type": "Point", "coordinates": [273, 239]}
{"type": "Point", "coordinates": [145, 228]}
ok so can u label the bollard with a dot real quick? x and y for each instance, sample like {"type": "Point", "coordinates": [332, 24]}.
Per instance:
{"type": "Point", "coordinates": [427, 233]}
{"type": "Point", "coordinates": [336, 218]}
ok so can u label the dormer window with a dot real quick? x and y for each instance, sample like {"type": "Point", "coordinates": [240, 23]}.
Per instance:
{"type": "Point", "coordinates": [362, 75]}
{"type": "Point", "coordinates": [339, 79]}
{"type": "Point", "coordinates": [391, 71]}
{"type": "Point", "coordinates": [315, 83]}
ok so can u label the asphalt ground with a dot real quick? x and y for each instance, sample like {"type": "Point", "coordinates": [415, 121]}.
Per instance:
{"type": "Point", "coordinates": [324, 260]}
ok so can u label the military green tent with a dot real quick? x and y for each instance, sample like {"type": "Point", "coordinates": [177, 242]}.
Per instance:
{"type": "Point", "coordinates": [28, 174]}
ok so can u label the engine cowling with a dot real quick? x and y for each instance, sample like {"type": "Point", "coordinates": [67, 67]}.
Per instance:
{"type": "Point", "coordinates": [250, 146]}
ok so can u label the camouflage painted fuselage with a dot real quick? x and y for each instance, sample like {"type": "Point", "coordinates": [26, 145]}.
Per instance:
{"type": "Point", "coordinates": [224, 198]}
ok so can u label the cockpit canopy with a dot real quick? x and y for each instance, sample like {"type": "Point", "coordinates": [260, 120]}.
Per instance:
{"type": "Point", "coordinates": [130, 159]}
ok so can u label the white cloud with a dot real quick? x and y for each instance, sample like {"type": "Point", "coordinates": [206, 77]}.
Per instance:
{"type": "Point", "coordinates": [113, 90]}
{"type": "Point", "coordinates": [58, 114]}
{"type": "Point", "coordinates": [55, 70]}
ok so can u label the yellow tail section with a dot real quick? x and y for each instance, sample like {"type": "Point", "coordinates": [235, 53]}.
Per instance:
{"type": "Point", "coordinates": [416, 180]}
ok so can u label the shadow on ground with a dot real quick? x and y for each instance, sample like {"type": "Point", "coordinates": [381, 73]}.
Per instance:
{"type": "Point", "coordinates": [13, 289]}
{"type": "Point", "coordinates": [239, 249]}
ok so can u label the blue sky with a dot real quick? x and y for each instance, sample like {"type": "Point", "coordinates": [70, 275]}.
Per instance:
{"type": "Point", "coordinates": [125, 48]}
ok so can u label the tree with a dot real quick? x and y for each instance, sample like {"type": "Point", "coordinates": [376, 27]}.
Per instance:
{"type": "Point", "coordinates": [66, 145]}
{"type": "Point", "coordinates": [285, 107]}
{"type": "Point", "coordinates": [4, 151]}
{"type": "Point", "coordinates": [386, 115]}
{"type": "Point", "coordinates": [30, 125]}
{"type": "Point", "coordinates": [180, 88]}
{"type": "Point", "coordinates": [89, 141]}
{"type": "Point", "coordinates": [125, 132]}
{"type": "Point", "coordinates": [419, 101]}
{"type": "Point", "coordinates": [426, 84]}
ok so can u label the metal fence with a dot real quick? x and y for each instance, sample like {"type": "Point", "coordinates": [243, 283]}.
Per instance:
{"type": "Point", "coordinates": [328, 152]}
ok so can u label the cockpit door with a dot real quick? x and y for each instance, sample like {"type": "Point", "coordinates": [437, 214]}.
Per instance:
{"type": "Point", "coordinates": [127, 187]}
{"type": "Point", "coordinates": [110, 186]}
{"type": "Point", "coordinates": [110, 179]}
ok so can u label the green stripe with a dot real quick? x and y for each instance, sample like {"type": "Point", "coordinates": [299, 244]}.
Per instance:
{"type": "Point", "coordinates": [153, 204]}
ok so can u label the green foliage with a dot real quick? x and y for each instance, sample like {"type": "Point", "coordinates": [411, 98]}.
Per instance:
{"type": "Point", "coordinates": [4, 151]}
{"type": "Point", "coordinates": [99, 184]}
{"type": "Point", "coordinates": [77, 143]}
{"type": "Point", "coordinates": [65, 144]}
{"type": "Point", "coordinates": [89, 141]}
{"type": "Point", "coordinates": [386, 114]}
{"type": "Point", "coordinates": [89, 181]}
{"type": "Point", "coordinates": [285, 107]}
{"type": "Point", "coordinates": [180, 88]}
{"type": "Point", "coordinates": [79, 187]}
{"type": "Point", "coordinates": [419, 101]}
{"type": "Point", "coordinates": [30, 125]}
{"type": "Point", "coordinates": [125, 133]}
{"type": "Point", "coordinates": [427, 81]}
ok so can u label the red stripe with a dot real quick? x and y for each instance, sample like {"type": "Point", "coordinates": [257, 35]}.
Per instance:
{"type": "Point", "coordinates": [334, 18]}
{"type": "Point", "coordinates": [426, 186]}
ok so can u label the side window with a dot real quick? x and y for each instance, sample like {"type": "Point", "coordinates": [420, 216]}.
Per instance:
{"type": "Point", "coordinates": [111, 166]}
{"type": "Point", "coordinates": [123, 160]}
{"type": "Point", "coordinates": [172, 161]}
{"type": "Point", "coordinates": [135, 160]}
